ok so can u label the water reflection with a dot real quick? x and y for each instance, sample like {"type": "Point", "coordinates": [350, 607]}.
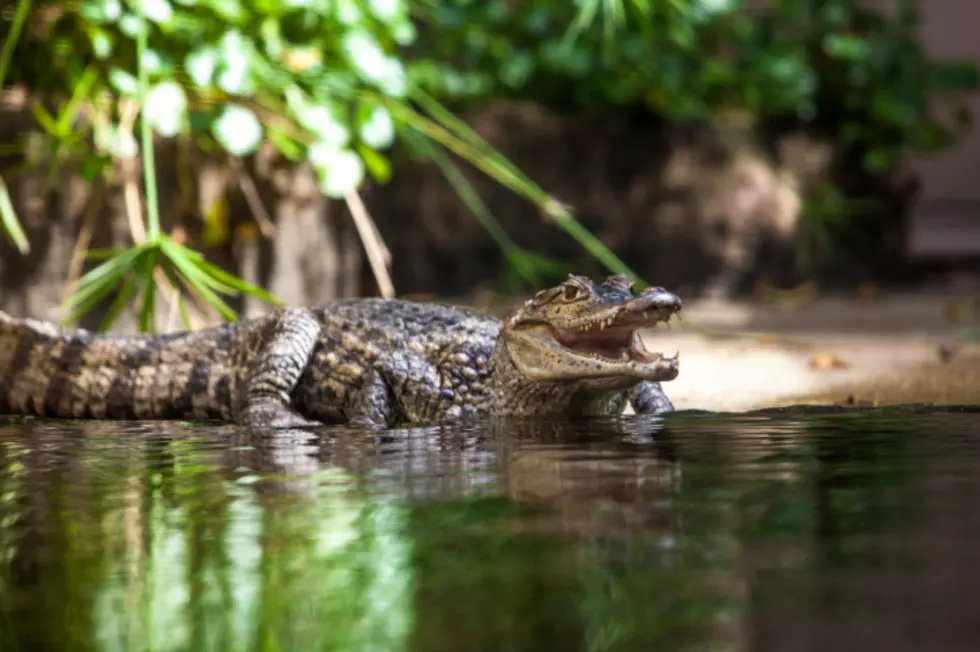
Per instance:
{"type": "Point", "coordinates": [767, 531]}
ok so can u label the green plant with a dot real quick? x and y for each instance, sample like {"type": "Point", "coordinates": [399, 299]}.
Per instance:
{"type": "Point", "coordinates": [316, 79]}
{"type": "Point", "coordinates": [855, 74]}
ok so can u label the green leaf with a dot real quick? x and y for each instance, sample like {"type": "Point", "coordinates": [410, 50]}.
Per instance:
{"type": "Point", "coordinates": [179, 297]}
{"type": "Point", "coordinates": [123, 81]}
{"type": "Point", "coordinates": [103, 253]}
{"type": "Point", "coordinates": [348, 13]}
{"type": "Point", "coordinates": [236, 63]}
{"type": "Point", "coordinates": [845, 46]}
{"type": "Point", "coordinates": [323, 120]}
{"type": "Point", "coordinates": [102, 43]}
{"type": "Point", "coordinates": [159, 11]}
{"type": "Point", "coordinates": [101, 281]}
{"type": "Point", "coordinates": [112, 269]}
{"type": "Point", "coordinates": [285, 144]}
{"type": "Point", "coordinates": [48, 123]}
{"type": "Point", "coordinates": [237, 283]}
{"type": "Point", "coordinates": [372, 64]}
{"type": "Point", "coordinates": [197, 280]}
{"type": "Point", "coordinates": [195, 260]}
{"type": "Point", "coordinates": [157, 63]}
{"type": "Point", "coordinates": [11, 225]}
{"type": "Point", "coordinates": [101, 11]}
{"type": "Point", "coordinates": [93, 165]}
{"type": "Point", "coordinates": [230, 10]}
{"type": "Point", "coordinates": [95, 294]}
{"type": "Point", "coordinates": [131, 25]}
{"type": "Point", "coordinates": [404, 33]}
{"type": "Point", "coordinates": [387, 11]}
{"type": "Point", "coordinates": [125, 294]}
{"type": "Point", "coordinates": [376, 163]}
{"type": "Point", "coordinates": [201, 64]}
{"type": "Point", "coordinates": [166, 108]}
{"type": "Point", "coordinates": [238, 130]}
{"type": "Point", "coordinates": [375, 126]}
{"type": "Point", "coordinates": [148, 309]}
{"type": "Point", "coordinates": [116, 142]}
{"type": "Point", "coordinates": [339, 171]}
{"type": "Point", "coordinates": [957, 76]}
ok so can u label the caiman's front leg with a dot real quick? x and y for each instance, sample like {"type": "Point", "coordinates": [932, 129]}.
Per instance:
{"type": "Point", "coordinates": [372, 405]}
{"type": "Point", "coordinates": [403, 388]}
{"type": "Point", "coordinates": [273, 369]}
{"type": "Point", "coordinates": [649, 398]}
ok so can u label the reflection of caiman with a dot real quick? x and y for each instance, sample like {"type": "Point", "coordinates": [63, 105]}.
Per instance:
{"type": "Point", "coordinates": [572, 350]}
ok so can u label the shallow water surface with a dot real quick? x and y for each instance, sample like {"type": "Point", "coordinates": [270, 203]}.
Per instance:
{"type": "Point", "coordinates": [702, 532]}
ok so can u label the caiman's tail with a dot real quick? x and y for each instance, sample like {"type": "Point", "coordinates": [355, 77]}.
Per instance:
{"type": "Point", "coordinates": [74, 373]}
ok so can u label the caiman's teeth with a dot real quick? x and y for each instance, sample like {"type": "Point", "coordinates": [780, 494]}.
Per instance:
{"type": "Point", "coordinates": [625, 356]}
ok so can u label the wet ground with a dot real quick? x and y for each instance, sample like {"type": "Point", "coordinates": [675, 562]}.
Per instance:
{"type": "Point", "coordinates": [700, 532]}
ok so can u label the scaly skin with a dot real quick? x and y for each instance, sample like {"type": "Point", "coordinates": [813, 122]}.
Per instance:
{"type": "Point", "coordinates": [368, 362]}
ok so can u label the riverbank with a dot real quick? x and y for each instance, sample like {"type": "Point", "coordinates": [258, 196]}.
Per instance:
{"type": "Point", "coordinates": [892, 349]}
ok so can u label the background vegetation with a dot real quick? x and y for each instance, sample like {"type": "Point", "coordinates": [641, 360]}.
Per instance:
{"type": "Point", "coordinates": [337, 83]}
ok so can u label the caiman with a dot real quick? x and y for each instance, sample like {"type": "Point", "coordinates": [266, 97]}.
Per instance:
{"type": "Point", "coordinates": [570, 351]}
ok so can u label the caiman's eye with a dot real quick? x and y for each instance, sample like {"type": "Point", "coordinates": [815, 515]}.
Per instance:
{"type": "Point", "coordinates": [571, 292]}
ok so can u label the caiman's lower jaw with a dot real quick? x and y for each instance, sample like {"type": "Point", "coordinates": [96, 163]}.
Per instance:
{"type": "Point", "coordinates": [618, 341]}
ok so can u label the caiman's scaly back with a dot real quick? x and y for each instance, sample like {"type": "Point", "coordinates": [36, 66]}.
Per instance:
{"type": "Point", "coordinates": [573, 350]}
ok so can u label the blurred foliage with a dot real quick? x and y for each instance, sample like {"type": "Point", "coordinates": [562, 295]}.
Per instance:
{"type": "Point", "coordinates": [319, 80]}
{"type": "Point", "coordinates": [860, 72]}
{"type": "Point", "coordinates": [337, 82]}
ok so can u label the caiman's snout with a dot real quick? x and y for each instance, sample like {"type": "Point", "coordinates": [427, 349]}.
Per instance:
{"type": "Point", "coordinates": [655, 299]}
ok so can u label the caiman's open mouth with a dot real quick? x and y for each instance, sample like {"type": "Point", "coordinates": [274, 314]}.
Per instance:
{"type": "Point", "coordinates": [618, 341]}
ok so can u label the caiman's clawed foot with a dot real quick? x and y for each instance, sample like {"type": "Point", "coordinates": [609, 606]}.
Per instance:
{"type": "Point", "coordinates": [649, 398]}
{"type": "Point", "coordinates": [270, 415]}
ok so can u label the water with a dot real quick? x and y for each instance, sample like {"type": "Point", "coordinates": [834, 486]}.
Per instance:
{"type": "Point", "coordinates": [717, 532]}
